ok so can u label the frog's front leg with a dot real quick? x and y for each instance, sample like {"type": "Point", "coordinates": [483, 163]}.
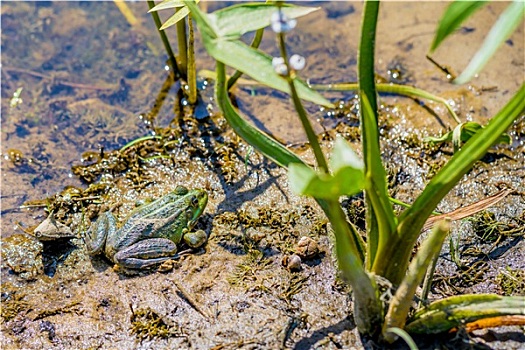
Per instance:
{"type": "Point", "coordinates": [95, 237]}
{"type": "Point", "coordinates": [145, 253]}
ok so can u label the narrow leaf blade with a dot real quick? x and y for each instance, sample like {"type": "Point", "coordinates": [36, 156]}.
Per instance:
{"type": "Point", "coordinates": [454, 15]}
{"type": "Point", "coordinates": [236, 20]}
{"type": "Point", "coordinates": [504, 26]}
{"type": "Point", "coordinates": [167, 4]}
{"type": "Point", "coordinates": [179, 15]}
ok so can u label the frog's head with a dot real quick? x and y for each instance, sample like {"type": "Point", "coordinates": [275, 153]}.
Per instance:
{"type": "Point", "coordinates": [195, 201]}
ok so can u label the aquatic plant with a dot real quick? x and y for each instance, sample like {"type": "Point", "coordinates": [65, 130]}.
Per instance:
{"type": "Point", "coordinates": [383, 265]}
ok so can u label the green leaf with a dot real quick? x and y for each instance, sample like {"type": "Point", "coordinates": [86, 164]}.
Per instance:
{"type": "Point", "coordinates": [167, 4]}
{"type": "Point", "coordinates": [462, 133]}
{"type": "Point", "coordinates": [507, 22]}
{"type": "Point", "coordinates": [179, 15]}
{"type": "Point", "coordinates": [401, 302]}
{"type": "Point", "coordinates": [445, 314]}
{"type": "Point", "coordinates": [304, 180]}
{"type": "Point", "coordinates": [258, 65]}
{"type": "Point", "coordinates": [236, 20]}
{"type": "Point", "coordinates": [454, 15]}
{"type": "Point", "coordinates": [344, 156]}
{"type": "Point", "coordinates": [347, 177]}
{"type": "Point", "coordinates": [376, 185]}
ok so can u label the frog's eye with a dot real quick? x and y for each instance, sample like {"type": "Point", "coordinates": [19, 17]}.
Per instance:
{"type": "Point", "coordinates": [194, 202]}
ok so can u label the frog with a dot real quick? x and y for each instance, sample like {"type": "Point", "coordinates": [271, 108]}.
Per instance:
{"type": "Point", "coordinates": [150, 233]}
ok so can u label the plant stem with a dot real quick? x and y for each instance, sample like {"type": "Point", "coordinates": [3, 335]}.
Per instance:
{"type": "Point", "coordinates": [367, 307]}
{"type": "Point", "coordinates": [400, 304]}
{"type": "Point", "coordinates": [183, 47]}
{"type": "Point", "coordinates": [192, 69]}
{"type": "Point", "coordinates": [310, 134]}
{"type": "Point", "coordinates": [165, 41]}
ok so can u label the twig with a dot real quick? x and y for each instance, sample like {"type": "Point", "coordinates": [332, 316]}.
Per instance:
{"type": "Point", "coordinates": [191, 301]}
{"type": "Point", "coordinates": [469, 210]}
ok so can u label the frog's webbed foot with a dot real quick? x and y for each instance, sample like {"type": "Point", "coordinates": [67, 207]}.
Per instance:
{"type": "Point", "coordinates": [95, 236]}
{"type": "Point", "coordinates": [146, 253]}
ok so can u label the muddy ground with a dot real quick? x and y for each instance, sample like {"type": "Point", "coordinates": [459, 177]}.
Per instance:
{"type": "Point", "coordinates": [92, 82]}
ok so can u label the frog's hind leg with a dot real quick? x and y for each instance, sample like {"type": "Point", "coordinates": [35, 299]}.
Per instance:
{"type": "Point", "coordinates": [146, 253]}
{"type": "Point", "coordinates": [95, 236]}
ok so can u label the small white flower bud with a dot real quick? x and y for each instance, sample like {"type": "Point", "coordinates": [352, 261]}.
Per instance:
{"type": "Point", "coordinates": [297, 62]}
{"type": "Point", "coordinates": [279, 66]}
{"type": "Point", "coordinates": [281, 24]}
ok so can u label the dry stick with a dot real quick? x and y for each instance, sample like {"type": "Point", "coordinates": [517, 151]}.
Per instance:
{"type": "Point", "coordinates": [191, 301]}
{"type": "Point", "coordinates": [469, 210]}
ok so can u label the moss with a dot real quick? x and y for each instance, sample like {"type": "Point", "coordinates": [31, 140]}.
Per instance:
{"type": "Point", "coordinates": [247, 271]}
{"type": "Point", "coordinates": [512, 282]}
{"type": "Point", "coordinates": [489, 229]}
{"type": "Point", "coordinates": [13, 302]}
{"type": "Point", "coordinates": [147, 324]}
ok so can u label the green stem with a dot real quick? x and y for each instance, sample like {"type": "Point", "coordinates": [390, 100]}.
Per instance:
{"type": "Point", "coordinates": [402, 300]}
{"type": "Point", "coordinates": [367, 91]}
{"type": "Point", "coordinates": [183, 47]}
{"type": "Point", "coordinates": [164, 38]}
{"type": "Point", "coordinates": [192, 69]}
{"type": "Point", "coordinates": [367, 307]}
{"type": "Point", "coordinates": [393, 89]}
{"type": "Point", "coordinates": [310, 133]}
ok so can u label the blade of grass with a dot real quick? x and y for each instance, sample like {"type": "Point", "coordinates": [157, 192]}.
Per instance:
{"type": "Point", "coordinates": [376, 186]}
{"type": "Point", "coordinates": [454, 15]}
{"type": "Point", "coordinates": [507, 22]}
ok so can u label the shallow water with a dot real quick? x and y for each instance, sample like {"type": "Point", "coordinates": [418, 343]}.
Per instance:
{"type": "Point", "coordinates": [89, 81]}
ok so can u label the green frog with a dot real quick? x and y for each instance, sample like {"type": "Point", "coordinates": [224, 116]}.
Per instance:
{"type": "Point", "coordinates": [149, 234]}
